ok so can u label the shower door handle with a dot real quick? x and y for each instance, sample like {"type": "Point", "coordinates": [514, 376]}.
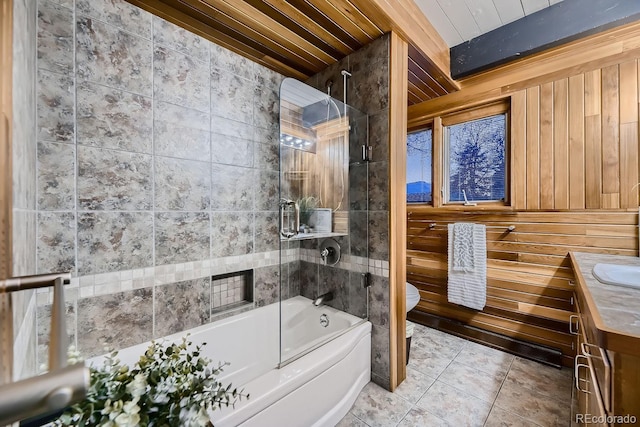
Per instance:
{"type": "Point", "coordinates": [285, 229]}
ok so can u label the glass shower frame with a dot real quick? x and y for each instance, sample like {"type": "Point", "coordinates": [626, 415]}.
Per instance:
{"type": "Point", "coordinates": [323, 147]}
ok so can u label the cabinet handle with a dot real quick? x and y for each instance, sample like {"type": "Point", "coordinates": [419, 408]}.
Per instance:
{"type": "Point", "coordinates": [577, 373]}
{"type": "Point", "coordinates": [584, 348]}
{"type": "Point", "coordinates": [571, 324]}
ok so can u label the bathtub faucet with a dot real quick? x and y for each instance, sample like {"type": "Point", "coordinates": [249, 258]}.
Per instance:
{"type": "Point", "coordinates": [323, 298]}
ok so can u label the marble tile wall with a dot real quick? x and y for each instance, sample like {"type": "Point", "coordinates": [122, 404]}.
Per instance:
{"type": "Point", "coordinates": [148, 144]}
{"type": "Point", "coordinates": [368, 91]}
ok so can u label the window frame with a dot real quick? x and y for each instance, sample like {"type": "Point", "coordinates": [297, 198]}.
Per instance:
{"type": "Point", "coordinates": [495, 109]}
{"type": "Point", "coordinates": [424, 127]}
{"type": "Point", "coordinates": [501, 106]}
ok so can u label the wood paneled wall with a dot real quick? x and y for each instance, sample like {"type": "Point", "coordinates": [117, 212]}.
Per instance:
{"type": "Point", "coordinates": [582, 140]}
{"type": "Point", "coordinates": [574, 173]}
{"type": "Point", "coordinates": [529, 277]}
{"type": "Point", "coordinates": [323, 174]}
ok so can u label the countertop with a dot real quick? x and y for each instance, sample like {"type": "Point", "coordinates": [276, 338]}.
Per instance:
{"type": "Point", "coordinates": [616, 309]}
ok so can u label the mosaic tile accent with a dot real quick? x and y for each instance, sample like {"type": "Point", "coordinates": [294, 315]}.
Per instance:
{"type": "Point", "coordinates": [55, 103]}
{"type": "Point", "coordinates": [56, 171]}
{"type": "Point", "coordinates": [116, 321]}
{"type": "Point", "coordinates": [55, 37]}
{"type": "Point", "coordinates": [118, 13]}
{"type": "Point", "coordinates": [110, 118]}
{"type": "Point", "coordinates": [181, 306]}
{"type": "Point", "coordinates": [113, 180]}
{"type": "Point", "coordinates": [230, 290]}
{"type": "Point", "coordinates": [56, 242]}
{"type": "Point", "coordinates": [181, 237]}
{"type": "Point", "coordinates": [177, 38]}
{"type": "Point", "coordinates": [180, 79]}
{"type": "Point", "coordinates": [183, 185]}
{"type": "Point", "coordinates": [189, 127]}
{"type": "Point", "coordinates": [114, 241]}
{"type": "Point", "coordinates": [98, 44]}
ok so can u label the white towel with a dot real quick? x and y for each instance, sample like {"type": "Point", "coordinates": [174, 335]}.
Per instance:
{"type": "Point", "coordinates": [467, 265]}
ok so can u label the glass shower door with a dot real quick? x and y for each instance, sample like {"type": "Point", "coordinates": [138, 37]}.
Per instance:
{"type": "Point", "coordinates": [323, 218]}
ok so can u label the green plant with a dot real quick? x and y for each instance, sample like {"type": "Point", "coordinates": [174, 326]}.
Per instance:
{"type": "Point", "coordinates": [306, 206]}
{"type": "Point", "coordinates": [168, 386]}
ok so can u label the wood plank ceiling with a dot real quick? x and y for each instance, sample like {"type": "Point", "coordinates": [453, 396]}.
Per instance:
{"type": "Point", "coordinates": [300, 38]}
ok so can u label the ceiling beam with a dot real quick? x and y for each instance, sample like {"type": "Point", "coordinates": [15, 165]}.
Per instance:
{"type": "Point", "coordinates": [406, 19]}
{"type": "Point", "coordinates": [561, 23]}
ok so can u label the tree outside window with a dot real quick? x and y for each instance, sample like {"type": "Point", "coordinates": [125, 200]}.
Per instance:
{"type": "Point", "coordinates": [476, 160]}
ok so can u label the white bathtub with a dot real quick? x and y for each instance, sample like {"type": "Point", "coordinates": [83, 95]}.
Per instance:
{"type": "Point", "coordinates": [316, 389]}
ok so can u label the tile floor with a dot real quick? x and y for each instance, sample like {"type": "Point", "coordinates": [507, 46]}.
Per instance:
{"type": "Point", "coordinates": [455, 382]}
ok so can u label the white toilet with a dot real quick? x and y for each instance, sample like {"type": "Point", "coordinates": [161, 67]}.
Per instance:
{"type": "Point", "coordinates": [413, 298]}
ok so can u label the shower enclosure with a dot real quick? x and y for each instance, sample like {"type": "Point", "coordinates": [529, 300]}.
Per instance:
{"type": "Point", "coordinates": [323, 209]}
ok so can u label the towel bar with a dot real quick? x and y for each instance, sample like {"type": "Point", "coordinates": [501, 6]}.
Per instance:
{"type": "Point", "coordinates": [509, 228]}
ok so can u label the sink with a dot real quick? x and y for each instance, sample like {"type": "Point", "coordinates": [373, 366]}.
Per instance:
{"type": "Point", "coordinates": [619, 275]}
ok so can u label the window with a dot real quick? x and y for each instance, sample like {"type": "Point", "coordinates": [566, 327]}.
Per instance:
{"type": "Point", "coordinates": [419, 160]}
{"type": "Point", "coordinates": [475, 169]}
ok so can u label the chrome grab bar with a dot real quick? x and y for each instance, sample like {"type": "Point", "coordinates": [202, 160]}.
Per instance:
{"type": "Point", "coordinates": [62, 385]}
{"type": "Point", "coordinates": [287, 232]}
{"type": "Point", "coordinates": [43, 394]}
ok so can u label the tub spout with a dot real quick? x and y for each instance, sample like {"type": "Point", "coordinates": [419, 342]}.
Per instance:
{"type": "Point", "coordinates": [323, 298]}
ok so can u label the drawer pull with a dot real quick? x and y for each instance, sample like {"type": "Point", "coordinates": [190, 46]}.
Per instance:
{"type": "Point", "coordinates": [578, 365]}
{"type": "Point", "coordinates": [572, 318]}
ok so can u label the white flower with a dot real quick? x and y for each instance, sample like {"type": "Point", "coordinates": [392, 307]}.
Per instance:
{"type": "Point", "coordinates": [129, 416]}
{"type": "Point", "coordinates": [127, 420]}
{"type": "Point", "coordinates": [138, 386]}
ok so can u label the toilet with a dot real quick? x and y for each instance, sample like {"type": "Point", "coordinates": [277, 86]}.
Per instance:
{"type": "Point", "coordinates": [413, 298]}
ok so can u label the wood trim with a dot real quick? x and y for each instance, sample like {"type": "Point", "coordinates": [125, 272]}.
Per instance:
{"type": "Point", "coordinates": [407, 20]}
{"type": "Point", "coordinates": [517, 167]}
{"type": "Point", "coordinates": [598, 51]}
{"type": "Point", "coordinates": [398, 69]}
{"type": "Point", "coordinates": [6, 83]}
{"type": "Point", "coordinates": [6, 180]}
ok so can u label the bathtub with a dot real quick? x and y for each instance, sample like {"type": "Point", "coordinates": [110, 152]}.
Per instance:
{"type": "Point", "coordinates": [315, 385]}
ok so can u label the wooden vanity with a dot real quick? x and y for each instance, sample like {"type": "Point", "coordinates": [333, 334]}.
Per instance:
{"type": "Point", "coordinates": [607, 329]}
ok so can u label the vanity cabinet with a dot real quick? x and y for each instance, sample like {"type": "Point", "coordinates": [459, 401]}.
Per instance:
{"type": "Point", "coordinates": [607, 330]}
{"type": "Point", "coordinates": [591, 388]}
